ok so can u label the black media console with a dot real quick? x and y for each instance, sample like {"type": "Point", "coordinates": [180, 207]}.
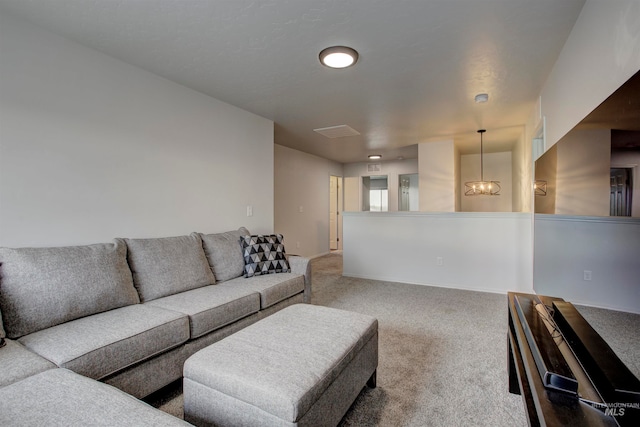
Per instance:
{"type": "Point", "coordinates": [566, 373]}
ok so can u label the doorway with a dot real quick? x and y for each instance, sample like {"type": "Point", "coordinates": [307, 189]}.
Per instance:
{"type": "Point", "coordinates": [375, 193]}
{"type": "Point", "coordinates": [335, 216]}
{"type": "Point", "coordinates": [621, 190]}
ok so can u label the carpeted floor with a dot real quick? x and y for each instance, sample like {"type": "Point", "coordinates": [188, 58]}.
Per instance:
{"type": "Point", "coordinates": [443, 352]}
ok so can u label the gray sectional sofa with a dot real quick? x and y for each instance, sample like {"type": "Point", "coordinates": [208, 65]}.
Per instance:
{"type": "Point", "coordinates": [129, 313]}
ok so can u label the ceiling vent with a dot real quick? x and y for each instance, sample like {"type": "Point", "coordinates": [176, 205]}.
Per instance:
{"type": "Point", "coordinates": [337, 131]}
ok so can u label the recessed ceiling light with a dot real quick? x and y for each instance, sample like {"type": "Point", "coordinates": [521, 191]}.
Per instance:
{"type": "Point", "coordinates": [375, 157]}
{"type": "Point", "coordinates": [338, 57]}
{"type": "Point", "coordinates": [482, 97]}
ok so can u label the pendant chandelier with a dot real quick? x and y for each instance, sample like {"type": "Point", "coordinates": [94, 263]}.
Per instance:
{"type": "Point", "coordinates": [482, 187]}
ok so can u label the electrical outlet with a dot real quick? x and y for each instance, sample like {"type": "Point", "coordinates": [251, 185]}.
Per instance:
{"type": "Point", "coordinates": [587, 275]}
{"type": "Point", "coordinates": [301, 209]}
{"type": "Point", "coordinates": [439, 261]}
{"type": "Point", "coordinates": [298, 245]}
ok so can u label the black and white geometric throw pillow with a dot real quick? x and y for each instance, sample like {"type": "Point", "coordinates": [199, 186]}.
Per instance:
{"type": "Point", "coordinates": [264, 254]}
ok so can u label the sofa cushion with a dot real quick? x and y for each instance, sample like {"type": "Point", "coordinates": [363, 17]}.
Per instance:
{"type": "Point", "coordinates": [211, 307]}
{"type": "Point", "coordinates": [224, 254]}
{"type": "Point", "coordinates": [264, 255]}
{"type": "Point", "coordinates": [168, 265]}
{"type": "Point", "coordinates": [16, 363]}
{"type": "Point", "coordinates": [272, 288]}
{"type": "Point", "coordinates": [43, 287]}
{"type": "Point", "coordinates": [105, 343]}
{"type": "Point", "coordinates": [62, 398]}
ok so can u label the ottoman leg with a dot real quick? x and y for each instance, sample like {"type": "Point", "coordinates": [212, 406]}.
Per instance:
{"type": "Point", "coordinates": [371, 382]}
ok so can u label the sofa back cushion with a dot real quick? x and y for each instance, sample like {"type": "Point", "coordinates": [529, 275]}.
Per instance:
{"type": "Point", "coordinates": [168, 265]}
{"type": "Point", "coordinates": [224, 253]}
{"type": "Point", "coordinates": [44, 287]}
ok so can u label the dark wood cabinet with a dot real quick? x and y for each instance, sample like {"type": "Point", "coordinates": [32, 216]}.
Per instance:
{"type": "Point", "coordinates": [549, 336]}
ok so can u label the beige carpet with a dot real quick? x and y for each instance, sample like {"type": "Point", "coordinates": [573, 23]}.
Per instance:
{"type": "Point", "coordinates": [443, 352]}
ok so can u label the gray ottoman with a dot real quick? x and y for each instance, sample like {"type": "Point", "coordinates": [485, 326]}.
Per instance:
{"type": "Point", "coordinates": [302, 366]}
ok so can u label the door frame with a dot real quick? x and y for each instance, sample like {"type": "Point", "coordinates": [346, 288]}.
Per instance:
{"type": "Point", "coordinates": [336, 181]}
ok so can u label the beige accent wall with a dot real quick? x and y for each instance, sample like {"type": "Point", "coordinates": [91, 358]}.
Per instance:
{"type": "Point", "coordinates": [582, 180]}
{"type": "Point", "coordinates": [546, 170]}
{"type": "Point", "coordinates": [497, 167]}
{"type": "Point", "coordinates": [437, 169]}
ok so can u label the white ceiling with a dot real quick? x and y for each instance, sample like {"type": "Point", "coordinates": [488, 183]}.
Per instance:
{"type": "Point", "coordinates": [421, 62]}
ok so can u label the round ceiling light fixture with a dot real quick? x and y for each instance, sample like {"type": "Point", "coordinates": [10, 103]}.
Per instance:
{"type": "Point", "coordinates": [375, 157]}
{"type": "Point", "coordinates": [338, 57]}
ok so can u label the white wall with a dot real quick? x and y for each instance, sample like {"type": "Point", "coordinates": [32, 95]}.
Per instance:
{"type": "Point", "coordinates": [608, 247]}
{"type": "Point", "coordinates": [391, 168]}
{"type": "Point", "coordinates": [302, 180]}
{"type": "Point", "coordinates": [497, 167]}
{"type": "Point", "coordinates": [601, 53]}
{"type": "Point", "coordinates": [92, 148]}
{"type": "Point", "coordinates": [437, 168]}
{"type": "Point", "coordinates": [479, 251]}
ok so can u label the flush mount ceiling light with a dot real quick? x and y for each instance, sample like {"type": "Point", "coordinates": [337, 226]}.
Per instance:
{"type": "Point", "coordinates": [375, 157]}
{"type": "Point", "coordinates": [482, 187]}
{"type": "Point", "coordinates": [338, 57]}
{"type": "Point", "coordinates": [481, 98]}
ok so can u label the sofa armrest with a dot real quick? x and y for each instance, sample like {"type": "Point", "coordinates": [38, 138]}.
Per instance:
{"type": "Point", "coordinates": [302, 265]}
